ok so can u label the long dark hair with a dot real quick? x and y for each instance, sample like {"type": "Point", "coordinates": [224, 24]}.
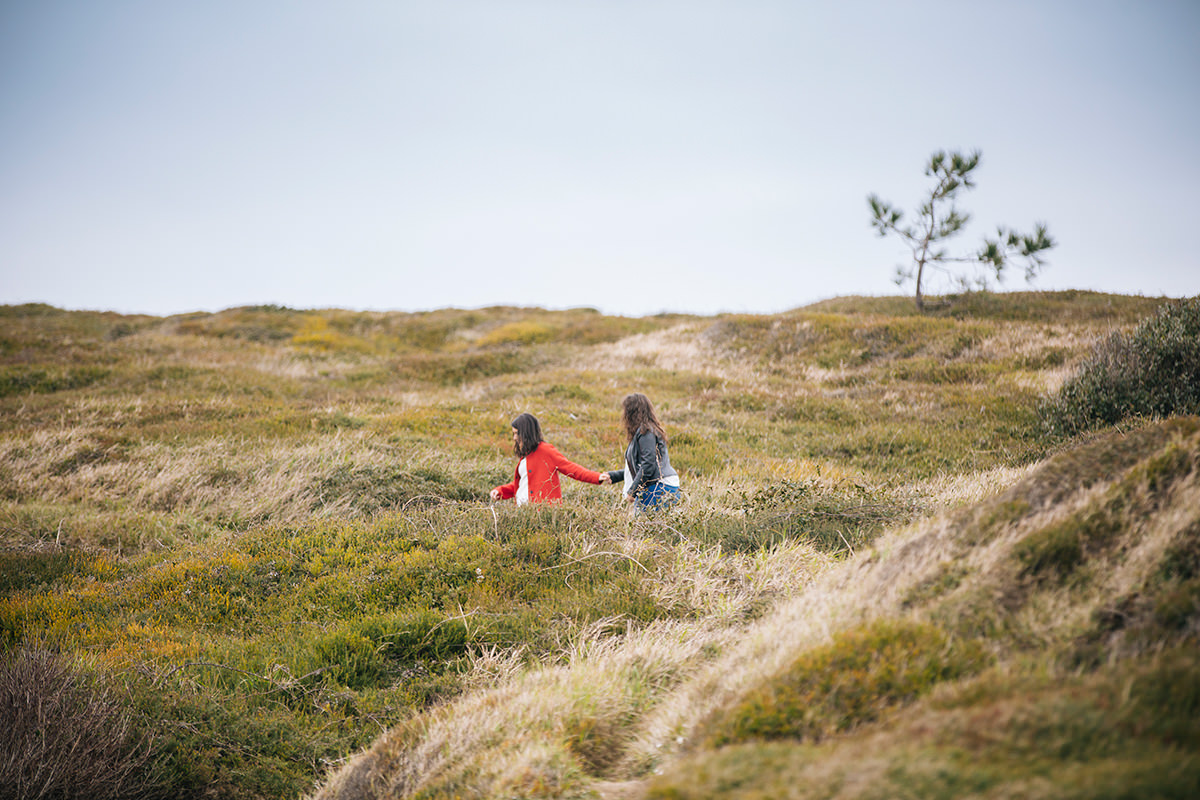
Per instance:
{"type": "Point", "coordinates": [529, 434]}
{"type": "Point", "coordinates": [638, 415]}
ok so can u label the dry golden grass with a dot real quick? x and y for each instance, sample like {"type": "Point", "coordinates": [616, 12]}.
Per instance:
{"type": "Point", "coordinates": [948, 491]}
{"type": "Point", "coordinates": [676, 348]}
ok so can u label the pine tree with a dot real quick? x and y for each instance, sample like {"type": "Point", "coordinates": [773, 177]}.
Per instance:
{"type": "Point", "coordinates": [939, 219]}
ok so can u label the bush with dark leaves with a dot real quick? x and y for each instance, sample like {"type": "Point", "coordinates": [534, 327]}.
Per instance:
{"type": "Point", "coordinates": [1154, 371]}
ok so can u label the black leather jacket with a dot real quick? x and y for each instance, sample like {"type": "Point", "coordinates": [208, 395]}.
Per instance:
{"type": "Point", "coordinates": [647, 457]}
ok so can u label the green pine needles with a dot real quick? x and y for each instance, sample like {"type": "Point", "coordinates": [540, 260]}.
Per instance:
{"type": "Point", "coordinates": [939, 219]}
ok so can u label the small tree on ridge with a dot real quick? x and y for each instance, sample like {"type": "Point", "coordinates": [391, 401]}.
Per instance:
{"type": "Point", "coordinates": [938, 219]}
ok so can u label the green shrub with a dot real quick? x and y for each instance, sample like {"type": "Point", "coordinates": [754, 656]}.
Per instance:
{"type": "Point", "coordinates": [350, 659]}
{"type": "Point", "coordinates": [1179, 606]}
{"type": "Point", "coordinates": [1057, 549]}
{"type": "Point", "coordinates": [948, 578]}
{"type": "Point", "coordinates": [734, 534]}
{"type": "Point", "coordinates": [407, 639]}
{"type": "Point", "coordinates": [371, 489]}
{"type": "Point", "coordinates": [457, 368]}
{"type": "Point", "coordinates": [522, 332]}
{"type": "Point", "coordinates": [1181, 559]}
{"type": "Point", "coordinates": [1165, 698]}
{"type": "Point", "coordinates": [1153, 371]}
{"type": "Point", "coordinates": [25, 570]}
{"type": "Point", "coordinates": [834, 519]}
{"type": "Point", "coordinates": [570, 391]}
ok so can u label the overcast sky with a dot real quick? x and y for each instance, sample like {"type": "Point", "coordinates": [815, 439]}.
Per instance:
{"type": "Point", "coordinates": [631, 155]}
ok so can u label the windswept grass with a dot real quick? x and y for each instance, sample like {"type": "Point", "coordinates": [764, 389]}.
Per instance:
{"type": "Point", "coordinates": [269, 528]}
{"type": "Point", "coordinates": [1126, 732]}
{"type": "Point", "coordinates": [928, 644]}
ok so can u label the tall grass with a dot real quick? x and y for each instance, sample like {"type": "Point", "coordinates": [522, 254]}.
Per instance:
{"type": "Point", "coordinates": [270, 525]}
{"type": "Point", "coordinates": [930, 643]}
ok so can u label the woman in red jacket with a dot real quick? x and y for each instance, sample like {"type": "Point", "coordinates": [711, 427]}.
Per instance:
{"type": "Point", "coordinates": [535, 479]}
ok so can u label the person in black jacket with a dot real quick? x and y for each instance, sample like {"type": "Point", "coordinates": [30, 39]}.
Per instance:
{"type": "Point", "coordinates": [649, 479]}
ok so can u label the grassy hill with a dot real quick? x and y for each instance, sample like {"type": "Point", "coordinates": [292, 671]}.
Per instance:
{"type": "Point", "coordinates": [254, 543]}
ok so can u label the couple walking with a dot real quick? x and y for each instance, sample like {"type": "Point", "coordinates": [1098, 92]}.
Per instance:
{"type": "Point", "coordinates": [650, 482]}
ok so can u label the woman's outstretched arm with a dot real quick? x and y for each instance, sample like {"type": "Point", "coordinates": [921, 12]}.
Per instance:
{"type": "Point", "coordinates": [567, 467]}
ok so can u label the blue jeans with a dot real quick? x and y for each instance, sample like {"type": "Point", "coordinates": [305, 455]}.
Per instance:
{"type": "Point", "coordinates": [657, 495]}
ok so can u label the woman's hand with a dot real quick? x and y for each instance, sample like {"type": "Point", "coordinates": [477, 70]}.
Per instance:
{"type": "Point", "coordinates": [495, 494]}
{"type": "Point", "coordinates": [605, 478]}
{"type": "Point", "coordinates": [628, 498]}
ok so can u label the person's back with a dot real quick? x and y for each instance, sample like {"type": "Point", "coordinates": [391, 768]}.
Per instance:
{"type": "Point", "coordinates": [650, 480]}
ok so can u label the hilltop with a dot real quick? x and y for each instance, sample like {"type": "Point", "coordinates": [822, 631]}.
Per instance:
{"type": "Point", "coordinates": [258, 541]}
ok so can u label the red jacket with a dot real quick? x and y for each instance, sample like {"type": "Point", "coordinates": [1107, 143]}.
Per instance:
{"type": "Point", "coordinates": [543, 466]}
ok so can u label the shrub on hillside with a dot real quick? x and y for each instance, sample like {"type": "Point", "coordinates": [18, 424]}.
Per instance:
{"type": "Point", "coordinates": [64, 737]}
{"type": "Point", "coordinates": [1153, 371]}
{"type": "Point", "coordinates": [521, 332]}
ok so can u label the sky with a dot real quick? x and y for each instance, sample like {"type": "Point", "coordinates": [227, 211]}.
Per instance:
{"type": "Point", "coordinates": [635, 156]}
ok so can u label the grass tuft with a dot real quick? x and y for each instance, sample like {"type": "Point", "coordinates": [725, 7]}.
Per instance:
{"type": "Point", "coordinates": [860, 675]}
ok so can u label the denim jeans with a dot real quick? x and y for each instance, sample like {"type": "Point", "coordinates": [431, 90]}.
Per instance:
{"type": "Point", "coordinates": [657, 495]}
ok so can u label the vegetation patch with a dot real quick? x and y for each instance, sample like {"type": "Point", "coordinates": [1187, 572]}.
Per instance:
{"type": "Point", "coordinates": [30, 569]}
{"type": "Point", "coordinates": [948, 578]}
{"type": "Point", "coordinates": [1128, 731]}
{"type": "Point", "coordinates": [1181, 559]}
{"type": "Point", "coordinates": [835, 517]}
{"type": "Point", "coordinates": [253, 658]}
{"type": "Point", "coordinates": [1057, 549]}
{"type": "Point", "coordinates": [517, 333]}
{"type": "Point", "coordinates": [1073, 306]}
{"type": "Point", "coordinates": [1154, 371]}
{"type": "Point", "coordinates": [458, 368]}
{"type": "Point", "coordinates": [367, 490]}
{"type": "Point", "coordinates": [272, 527]}
{"type": "Point", "coordinates": [859, 676]}
{"type": "Point", "coordinates": [17, 380]}
{"type": "Point", "coordinates": [66, 735]}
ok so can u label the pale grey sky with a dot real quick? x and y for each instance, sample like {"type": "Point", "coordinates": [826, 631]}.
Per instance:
{"type": "Point", "coordinates": [635, 156]}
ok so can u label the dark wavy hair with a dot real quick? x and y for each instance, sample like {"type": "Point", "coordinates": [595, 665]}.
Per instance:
{"type": "Point", "coordinates": [638, 415]}
{"type": "Point", "coordinates": [529, 434]}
